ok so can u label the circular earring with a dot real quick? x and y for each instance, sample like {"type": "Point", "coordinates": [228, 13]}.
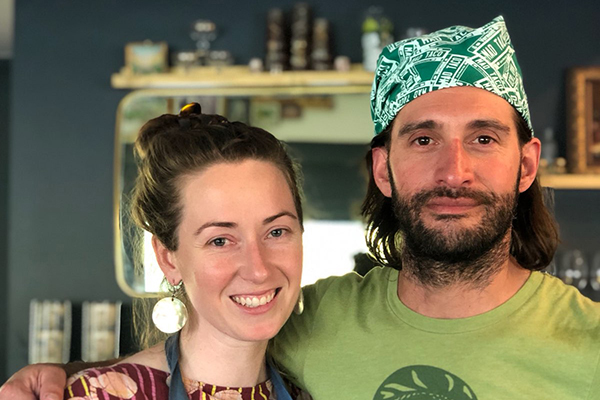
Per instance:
{"type": "Point", "coordinates": [170, 314]}
{"type": "Point", "coordinates": [299, 307]}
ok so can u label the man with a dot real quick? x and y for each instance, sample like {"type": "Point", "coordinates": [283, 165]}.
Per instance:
{"type": "Point", "coordinates": [455, 214]}
{"type": "Point", "coordinates": [453, 204]}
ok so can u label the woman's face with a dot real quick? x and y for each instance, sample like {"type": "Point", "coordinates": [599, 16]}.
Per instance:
{"type": "Point", "coordinates": [239, 250]}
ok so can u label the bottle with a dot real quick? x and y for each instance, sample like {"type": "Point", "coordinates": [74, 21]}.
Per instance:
{"type": "Point", "coordinates": [377, 32]}
{"type": "Point", "coordinates": [549, 146]}
{"type": "Point", "coordinates": [276, 59]}
{"type": "Point", "coordinates": [321, 53]}
{"type": "Point", "coordinates": [301, 35]}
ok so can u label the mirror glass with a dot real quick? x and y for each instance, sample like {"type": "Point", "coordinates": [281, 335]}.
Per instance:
{"type": "Point", "coordinates": [328, 134]}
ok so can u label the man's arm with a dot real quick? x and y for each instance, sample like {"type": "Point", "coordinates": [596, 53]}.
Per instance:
{"type": "Point", "coordinates": [43, 381]}
{"type": "Point", "coordinates": [36, 381]}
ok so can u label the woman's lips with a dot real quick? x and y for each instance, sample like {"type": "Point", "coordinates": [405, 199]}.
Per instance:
{"type": "Point", "coordinates": [254, 300]}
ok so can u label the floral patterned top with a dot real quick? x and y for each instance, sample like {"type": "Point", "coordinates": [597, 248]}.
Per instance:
{"type": "Point", "coordinates": [139, 382]}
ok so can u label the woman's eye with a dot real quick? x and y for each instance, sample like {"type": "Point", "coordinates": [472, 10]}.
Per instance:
{"type": "Point", "coordinates": [276, 232]}
{"type": "Point", "coordinates": [219, 242]}
{"type": "Point", "coordinates": [423, 141]}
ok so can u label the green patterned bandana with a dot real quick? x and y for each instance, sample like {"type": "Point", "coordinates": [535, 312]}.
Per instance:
{"type": "Point", "coordinates": [456, 56]}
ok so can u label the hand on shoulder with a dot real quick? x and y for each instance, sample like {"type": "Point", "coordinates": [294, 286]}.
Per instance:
{"type": "Point", "coordinates": [36, 381]}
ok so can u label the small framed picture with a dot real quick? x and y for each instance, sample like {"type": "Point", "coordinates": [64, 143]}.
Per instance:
{"type": "Point", "coordinates": [583, 120]}
{"type": "Point", "coordinates": [49, 331]}
{"type": "Point", "coordinates": [146, 57]}
{"type": "Point", "coordinates": [100, 330]}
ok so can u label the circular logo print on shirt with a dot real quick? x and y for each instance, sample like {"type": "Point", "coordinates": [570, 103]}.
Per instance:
{"type": "Point", "coordinates": [423, 382]}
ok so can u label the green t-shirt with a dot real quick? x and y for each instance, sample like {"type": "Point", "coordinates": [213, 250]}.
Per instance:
{"type": "Point", "coordinates": [356, 340]}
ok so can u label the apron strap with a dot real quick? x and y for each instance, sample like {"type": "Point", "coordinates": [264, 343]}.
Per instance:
{"type": "Point", "coordinates": [277, 381]}
{"type": "Point", "coordinates": [177, 390]}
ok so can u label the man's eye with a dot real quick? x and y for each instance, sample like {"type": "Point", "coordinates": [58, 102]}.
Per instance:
{"type": "Point", "coordinates": [484, 140]}
{"type": "Point", "coordinates": [276, 232]}
{"type": "Point", "coordinates": [423, 141]}
{"type": "Point", "coordinates": [218, 242]}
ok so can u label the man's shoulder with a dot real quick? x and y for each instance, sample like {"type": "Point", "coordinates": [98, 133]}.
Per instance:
{"type": "Point", "coordinates": [349, 283]}
{"type": "Point", "coordinates": [568, 300]}
{"type": "Point", "coordinates": [553, 286]}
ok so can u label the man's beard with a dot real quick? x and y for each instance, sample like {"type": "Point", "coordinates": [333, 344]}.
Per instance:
{"type": "Point", "coordinates": [444, 256]}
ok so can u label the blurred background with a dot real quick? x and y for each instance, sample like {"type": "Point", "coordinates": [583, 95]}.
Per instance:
{"type": "Point", "coordinates": [58, 114]}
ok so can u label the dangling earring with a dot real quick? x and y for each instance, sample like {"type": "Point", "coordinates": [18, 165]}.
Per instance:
{"type": "Point", "coordinates": [170, 314]}
{"type": "Point", "coordinates": [299, 307]}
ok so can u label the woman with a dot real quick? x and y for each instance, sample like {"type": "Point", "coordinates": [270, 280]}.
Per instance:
{"type": "Point", "coordinates": [222, 202]}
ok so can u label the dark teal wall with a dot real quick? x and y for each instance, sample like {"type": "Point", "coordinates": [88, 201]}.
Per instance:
{"type": "Point", "coordinates": [4, 126]}
{"type": "Point", "coordinates": [63, 114]}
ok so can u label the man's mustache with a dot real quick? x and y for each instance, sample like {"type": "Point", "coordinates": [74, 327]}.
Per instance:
{"type": "Point", "coordinates": [479, 196]}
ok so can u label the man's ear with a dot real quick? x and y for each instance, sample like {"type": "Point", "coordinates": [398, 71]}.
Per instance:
{"type": "Point", "coordinates": [530, 159]}
{"type": "Point", "coordinates": [166, 261]}
{"type": "Point", "coordinates": [380, 170]}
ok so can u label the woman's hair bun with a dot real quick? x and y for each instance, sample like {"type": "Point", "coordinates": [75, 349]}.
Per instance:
{"type": "Point", "coordinates": [190, 117]}
{"type": "Point", "coordinates": [191, 114]}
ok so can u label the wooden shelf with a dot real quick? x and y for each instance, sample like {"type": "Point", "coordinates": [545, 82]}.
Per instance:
{"type": "Point", "coordinates": [571, 181]}
{"type": "Point", "coordinates": [239, 76]}
{"type": "Point", "coordinates": [238, 80]}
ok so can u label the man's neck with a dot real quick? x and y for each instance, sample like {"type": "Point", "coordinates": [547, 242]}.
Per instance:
{"type": "Point", "coordinates": [462, 299]}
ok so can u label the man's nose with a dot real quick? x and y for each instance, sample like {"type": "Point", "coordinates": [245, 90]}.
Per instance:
{"type": "Point", "coordinates": [454, 167]}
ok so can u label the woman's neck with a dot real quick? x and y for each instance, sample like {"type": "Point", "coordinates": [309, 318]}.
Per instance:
{"type": "Point", "coordinates": [222, 361]}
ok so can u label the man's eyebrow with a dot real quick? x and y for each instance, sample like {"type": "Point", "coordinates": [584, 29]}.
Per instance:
{"type": "Point", "coordinates": [281, 214]}
{"type": "Point", "coordinates": [415, 126]}
{"type": "Point", "coordinates": [489, 123]}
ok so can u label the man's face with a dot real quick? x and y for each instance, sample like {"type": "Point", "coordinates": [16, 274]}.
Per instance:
{"type": "Point", "coordinates": [449, 244]}
{"type": "Point", "coordinates": [454, 170]}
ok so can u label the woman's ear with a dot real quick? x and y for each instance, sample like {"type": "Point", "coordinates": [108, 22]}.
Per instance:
{"type": "Point", "coordinates": [380, 170]}
{"type": "Point", "coordinates": [166, 261]}
{"type": "Point", "coordinates": [530, 159]}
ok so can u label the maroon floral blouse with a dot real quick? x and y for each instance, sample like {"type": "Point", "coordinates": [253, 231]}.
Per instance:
{"type": "Point", "coordinates": [139, 382]}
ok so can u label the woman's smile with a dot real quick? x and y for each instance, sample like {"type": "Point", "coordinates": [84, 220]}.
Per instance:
{"type": "Point", "coordinates": [255, 300]}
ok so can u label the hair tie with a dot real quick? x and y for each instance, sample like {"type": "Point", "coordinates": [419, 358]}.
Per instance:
{"type": "Point", "coordinates": [190, 108]}
{"type": "Point", "coordinates": [185, 113]}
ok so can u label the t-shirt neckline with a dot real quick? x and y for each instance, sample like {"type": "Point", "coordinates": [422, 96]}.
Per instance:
{"type": "Point", "coordinates": [459, 325]}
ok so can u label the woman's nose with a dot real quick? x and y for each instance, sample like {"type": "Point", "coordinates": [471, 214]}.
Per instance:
{"type": "Point", "coordinates": [255, 263]}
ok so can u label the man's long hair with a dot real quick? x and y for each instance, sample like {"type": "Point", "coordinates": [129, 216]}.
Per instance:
{"type": "Point", "coordinates": [534, 235]}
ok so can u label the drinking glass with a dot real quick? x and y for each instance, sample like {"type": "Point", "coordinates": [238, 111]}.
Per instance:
{"type": "Point", "coordinates": [595, 272]}
{"type": "Point", "coordinates": [573, 269]}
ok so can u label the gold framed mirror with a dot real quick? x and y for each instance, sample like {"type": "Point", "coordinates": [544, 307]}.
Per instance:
{"type": "Point", "coordinates": [327, 130]}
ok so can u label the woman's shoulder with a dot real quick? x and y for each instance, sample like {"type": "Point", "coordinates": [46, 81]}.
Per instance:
{"type": "Point", "coordinates": [120, 381]}
{"type": "Point", "coordinates": [133, 376]}
{"type": "Point", "coordinates": [153, 357]}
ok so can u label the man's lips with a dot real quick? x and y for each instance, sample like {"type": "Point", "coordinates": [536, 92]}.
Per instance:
{"type": "Point", "coordinates": [447, 205]}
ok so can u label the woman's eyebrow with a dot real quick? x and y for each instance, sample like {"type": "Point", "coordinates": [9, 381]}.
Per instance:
{"type": "Point", "coordinates": [223, 224]}
{"type": "Point", "coordinates": [279, 215]}
{"type": "Point", "coordinates": [215, 223]}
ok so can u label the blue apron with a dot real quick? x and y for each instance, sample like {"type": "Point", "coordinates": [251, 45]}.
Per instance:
{"type": "Point", "coordinates": [176, 389]}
